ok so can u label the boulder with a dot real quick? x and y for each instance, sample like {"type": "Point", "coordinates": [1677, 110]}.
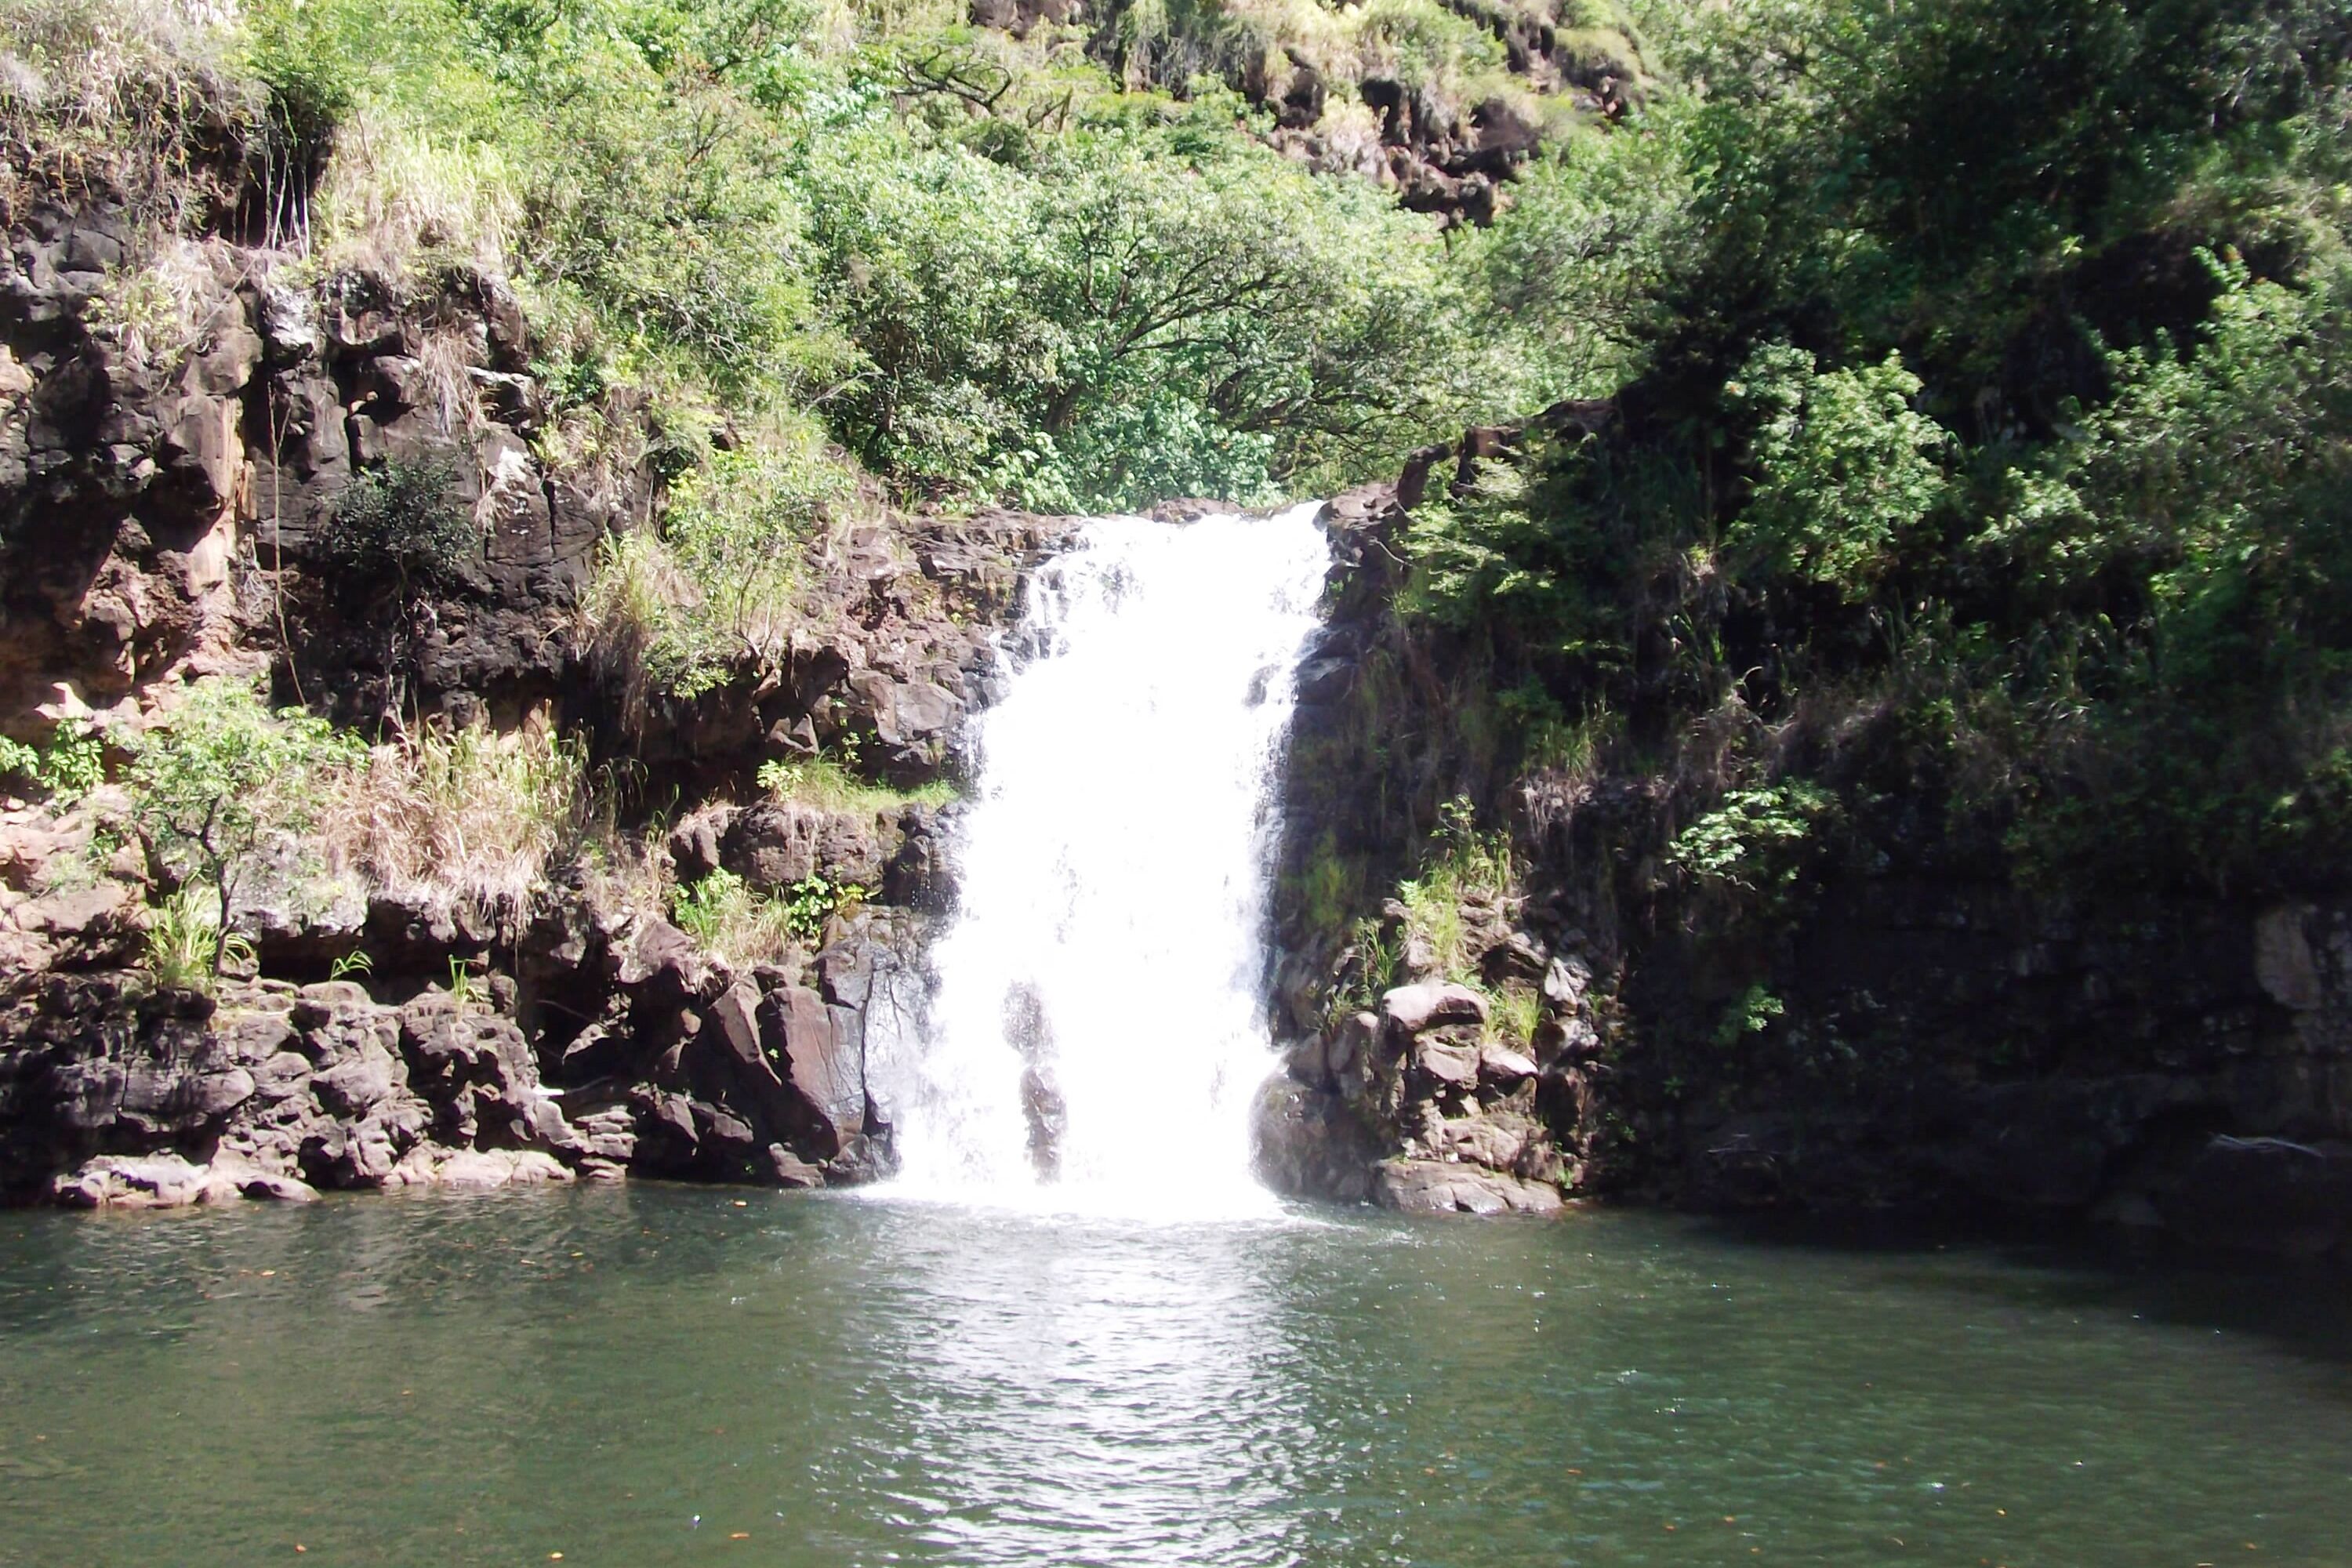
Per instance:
{"type": "Point", "coordinates": [1409, 1009]}
{"type": "Point", "coordinates": [476, 1170]}
{"type": "Point", "coordinates": [1349, 1047]}
{"type": "Point", "coordinates": [776, 843]}
{"type": "Point", "coordinates": [1437, 1186]}
{"type": "Point", "coordinates": [1506, 1065]}
{"type": "Point", "coordinates": [790, 1170]}
{"type": "Point", "coordinates": [824, 1065]}
{"type": "Point", "coordinates": [2274, 1194]}
{"type": "Point", "coordinates": [99, 923]}
{"type": "Point", "coordinates": [149, 1181]}
{"type": "Point", "coordinates": [1447, 1062]}
{"type": "Point", "coordinates": [1482, 1141]}
{"type": "Point", "coordinates": [1566, 980]}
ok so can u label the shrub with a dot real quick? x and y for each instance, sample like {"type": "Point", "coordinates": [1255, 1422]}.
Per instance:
{"type": "Point", "coordinates": [219, 771]}
{"type": "Point", "coordinates": [1753, 843]}
{"type": "Point", "coordinates": [400, 525]}
{"type": "Point", "coordinates": [719, 580]}
{"type": "Point", "coordinates": [71, 765]}
{"type": "Point", "coordinates": [1844, 466]}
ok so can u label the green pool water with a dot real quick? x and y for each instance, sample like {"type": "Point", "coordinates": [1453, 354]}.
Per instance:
{"type": "Point", "coordinates": [637, 1376]}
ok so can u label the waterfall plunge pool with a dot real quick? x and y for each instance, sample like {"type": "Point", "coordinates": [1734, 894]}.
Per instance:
{"type": "Point", "coordinates": [824, 1380]}
{"type": "Point", "coordinates": [1076, 1332]}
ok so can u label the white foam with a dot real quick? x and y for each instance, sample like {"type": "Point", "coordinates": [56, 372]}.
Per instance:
{"type": "Point", "coordinates": [1114, 868]}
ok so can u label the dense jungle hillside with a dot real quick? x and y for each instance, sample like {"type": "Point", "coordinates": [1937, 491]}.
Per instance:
{"type": "Point", "coordinates": [1872, 689]}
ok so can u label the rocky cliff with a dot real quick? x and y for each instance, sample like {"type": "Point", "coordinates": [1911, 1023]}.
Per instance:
{"type": "Point", "coordinates": [170, 513]}
{"type": "Point", "coordinates": [1912, 1028]}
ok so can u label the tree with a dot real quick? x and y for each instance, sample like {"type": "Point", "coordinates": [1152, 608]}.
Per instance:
{"type": "Point", "coordinates": [221, 771]}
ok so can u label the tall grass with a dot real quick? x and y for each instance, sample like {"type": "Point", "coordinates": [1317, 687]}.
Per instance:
{"type": "Point", "coordinates": [468, 817]}
{"type": "Point", "coordinates": [825, 782]}
{"type": "Point", "coordinates": [401, 204]}
{"type": "Point", "coordinates": [1465, 864]}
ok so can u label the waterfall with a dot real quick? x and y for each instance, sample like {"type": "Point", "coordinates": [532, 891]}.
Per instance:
{"type": "Point", "coordinates": [1099, 1028]}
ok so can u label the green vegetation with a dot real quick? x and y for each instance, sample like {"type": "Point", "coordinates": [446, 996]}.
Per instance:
{"type": "Point", "coordinates": [733, 920]}
{"type": "Point", "coordinates": [1754, 843]}
{"type": "Point", "coordinates": [466, 985]}
{"type": "Point", "coordinates": [803, 258]}
{"type": "Point", "coordinates": [1465, 867]}
{"type": "Point", "coordinates": [827, 783]}
{"type": "Point", "coordinates": [1943, 399]}
{"type": "Point", "coordinates": [69, 766]}
{"type": "Point", "coordinates": [217, 775]}
{"type": "Point", "coordinates": [1979, 428]}
{"type": "Point", "coordinates": [400, 525]}
{"type": "Point", "coordinates": [185, 946]}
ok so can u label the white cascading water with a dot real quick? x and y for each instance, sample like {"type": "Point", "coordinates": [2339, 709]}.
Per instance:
{"type": "Point", "coordinates": [1098, 1028]}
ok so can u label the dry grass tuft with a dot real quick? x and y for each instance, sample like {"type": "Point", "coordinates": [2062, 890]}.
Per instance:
{"type": "Point", "coordinates": [135, 99]}
{"type": "Point", "coordinates": [465, 818]}
{"type": "Point", "coordinates": [161, 309]}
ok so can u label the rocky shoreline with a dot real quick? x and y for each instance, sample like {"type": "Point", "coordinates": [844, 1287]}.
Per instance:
{"type": "Point", "coordinates": [163, 525]}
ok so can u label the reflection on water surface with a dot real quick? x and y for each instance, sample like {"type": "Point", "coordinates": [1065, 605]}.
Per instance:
{"type": "Point", "coordinates": [645, 1376]}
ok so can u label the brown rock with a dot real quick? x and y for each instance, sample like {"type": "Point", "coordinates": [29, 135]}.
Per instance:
{"type": "Point", "coordinates": [1413, 1008]}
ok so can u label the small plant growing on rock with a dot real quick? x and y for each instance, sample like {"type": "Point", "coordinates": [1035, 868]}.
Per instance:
{"type": "Point", "coordinates": [186, 944]}
{"type": "Point", "coordinates": [724, 914]}
{"type": "Point", "coordinates": [1368, 968]}
{"type": "Point", "coordinates": [1465, 865]}
{"type": "Point", "coordinates": [1513, 1014]}
{"type": "Point", "coordinates": [1750, 1013]}
{"type": "Point", "coordinates": [809, 904]}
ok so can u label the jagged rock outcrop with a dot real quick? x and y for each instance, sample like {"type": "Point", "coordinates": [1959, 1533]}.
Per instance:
{"type": "Point", "coordinates": [163, 505]}
{"type": "Point", "coordinates": [682, 1066]}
